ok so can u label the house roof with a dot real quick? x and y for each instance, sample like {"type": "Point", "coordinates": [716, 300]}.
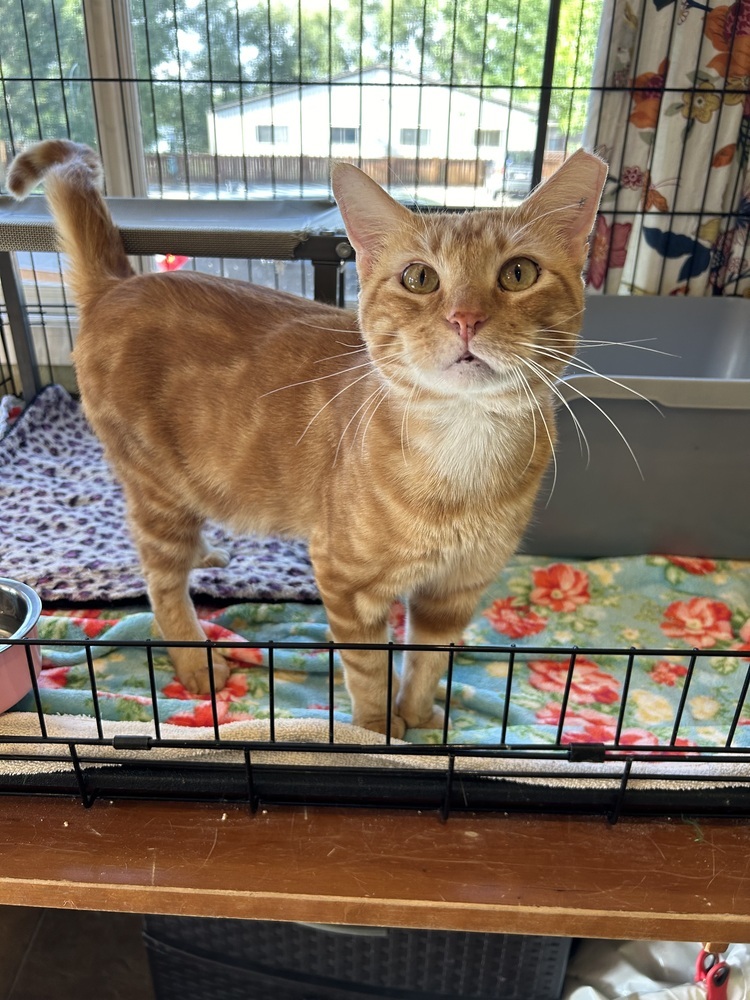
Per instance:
{"type": "Point", "coordinates": [397, 78]}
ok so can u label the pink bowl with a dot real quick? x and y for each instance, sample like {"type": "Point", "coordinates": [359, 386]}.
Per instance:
{"type": "Point", "coordinates": [19, 612]}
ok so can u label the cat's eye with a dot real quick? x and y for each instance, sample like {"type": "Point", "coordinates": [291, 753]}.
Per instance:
{"type": "Point", "coordinates": [518, 274]}
{"type": "Point", "coordinates": [420, 278]}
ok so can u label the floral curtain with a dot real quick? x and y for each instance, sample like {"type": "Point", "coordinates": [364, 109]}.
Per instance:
{"type": "Point", "coordinates": [670, 112]}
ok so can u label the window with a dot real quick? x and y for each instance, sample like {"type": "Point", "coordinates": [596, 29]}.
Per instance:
{"type": "Point", "coordinates": [414, 136]}
{"type": "Point", "coordinates": [272, 133]}
{"type": "Point", "coordinates": [180, 98]}
{"type": "Point", "coordinates": [344, 135]}
{"type": "Point", "coordinates": [487, 137]}
{"type": "Point", "coordinates": [201, 83]}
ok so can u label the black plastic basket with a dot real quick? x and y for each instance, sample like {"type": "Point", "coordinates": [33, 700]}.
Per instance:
{"type": "Point", "coordinates": [203, 959]}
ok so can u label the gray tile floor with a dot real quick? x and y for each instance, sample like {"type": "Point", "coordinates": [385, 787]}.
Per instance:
{"type": "Point", "coordinates": [72, 955]}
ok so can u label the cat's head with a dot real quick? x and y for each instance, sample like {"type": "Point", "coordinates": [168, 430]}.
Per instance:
{"type": "Point", "coordinates": [485, 303]}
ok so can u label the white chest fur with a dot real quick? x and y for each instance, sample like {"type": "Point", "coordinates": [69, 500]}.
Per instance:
{"type": "Point", "coordinates": [465, 444]}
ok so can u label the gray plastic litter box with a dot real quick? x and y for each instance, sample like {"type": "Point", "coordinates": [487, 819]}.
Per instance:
{"type": "Point", "coordinates": [694, 497]}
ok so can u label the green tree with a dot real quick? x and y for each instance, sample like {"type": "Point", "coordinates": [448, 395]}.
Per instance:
{"type": "Point", "coordinates": [44, 66]}
{"type": "Point", "coordinates": [231, 54]}
{"type": "Point", "coordinates": [192, 57]}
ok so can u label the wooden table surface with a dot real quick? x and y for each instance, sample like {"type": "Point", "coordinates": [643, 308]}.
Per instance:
{"type": "Point", "coordinates": [672, 880]}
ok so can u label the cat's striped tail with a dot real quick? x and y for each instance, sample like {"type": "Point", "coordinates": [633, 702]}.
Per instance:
{"type": "Point", "coordinates": [72, 175]}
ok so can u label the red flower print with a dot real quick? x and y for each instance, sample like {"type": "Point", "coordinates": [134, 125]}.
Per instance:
{"type": "Point", "coordinates": [513, 618]}
{"type": "Point", "coordinates": [608, 249]}
{"type": "Point", "coordinates": [176, 689]}
{"type": "Point", "coordinates": [203, 716]}
{"type": "Point", "coordinates": [667, 673]}
{"type": "Point", "coordinates": [93, 627]}
{"type": "Point", "coordinates": [560, 587]}
{"type": "Point", "coordinates": [728, 29]}
{"type": "Point", "coordinates": [397, 621]}
{"type": "Point", "coordinates": [632, 177]}
{"type": "Point", "coordinates": [647, 92]}
{"type": "Point", "coordinates": [701, 621]}
{"type": "Point", "coordinates": [589, 683]}
{"type": "Point", "coordinates": [642, 737]}
{"type": "Point", "coordinates": [744, 643]}
{"type": "Point", "coordinates": [587, 725]}
{"type": "Point", "coordinates": [235, 687]}
{"type": "Point", "coordinates": [692, 564]}
{"type": "Point", "coordinates": [242, 653]}
{"type": "Point", "coordinates": [53, 677]}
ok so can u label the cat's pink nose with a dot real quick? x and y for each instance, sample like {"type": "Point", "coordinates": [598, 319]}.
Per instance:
{"type": "Point", "coordinates": [466, 323]}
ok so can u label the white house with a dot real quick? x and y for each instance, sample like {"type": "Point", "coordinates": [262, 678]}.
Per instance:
{"type": "Point", "coordinates": [377, 114]}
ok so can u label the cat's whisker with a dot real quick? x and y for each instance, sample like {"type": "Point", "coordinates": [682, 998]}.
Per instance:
{"type": "Point", "coordinates": [351, 419]}
{"type": "Point", "coordinates": [328, 403]}
{"type": "Point", "coordinates": [519, 376]}
{"type": "Point", "coordinates": [346, 354]}
{"type": "Point", "coordinates": [634, 344]}
{"type": "Point", "coordinates": [307, 381]}
{"type": "Point", "coordinates": [383, 388]}
{"type": "Point", "coordinates": [571, 385]}
{"type": "Point", "coordinates": [567, 319]}
{"type": "Point", "coordinates": [369, 364]}
{"type": "Point", "coordinates": [583, 342]}
{"type": "Point", "coordinates": [405, 424]}
{"type": "Point", "coordinates": [548, 379]}
{"type": "Point", "coordinates": [327, 329]}
{"type": "Point", "coordinates": [556, 355]}
{"type": "Point", "coordinates": [542, 215]}
{"type": "Point", "coordinates": [377, 407]}
{"type": "Point", "coordinates": [513, 210]}
{"type": "Point", "coordinates": [547, 431]}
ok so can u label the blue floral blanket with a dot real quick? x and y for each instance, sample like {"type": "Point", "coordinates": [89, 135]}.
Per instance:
{"type": "Point", "coordinates": [665, 603]}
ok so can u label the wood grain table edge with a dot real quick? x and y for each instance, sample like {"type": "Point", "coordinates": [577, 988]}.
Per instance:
{"type": "Point", "coordinates": [427, 915]}
{"type": "Point", "coordinates": [563, 876]}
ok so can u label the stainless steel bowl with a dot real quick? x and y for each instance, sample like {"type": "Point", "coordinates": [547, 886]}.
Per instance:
{"type": "Point", "coordinates": [20, 609]}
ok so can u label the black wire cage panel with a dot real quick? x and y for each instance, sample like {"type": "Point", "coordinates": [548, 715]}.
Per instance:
{"type": "Point", "coordinates": [609, 778]}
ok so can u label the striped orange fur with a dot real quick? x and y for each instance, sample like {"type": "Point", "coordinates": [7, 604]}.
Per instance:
{"type": "Point", "coordinates": [406, 443]}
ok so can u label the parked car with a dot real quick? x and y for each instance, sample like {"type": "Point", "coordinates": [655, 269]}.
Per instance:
{"type": "Point", "coordinates": [514, 176]}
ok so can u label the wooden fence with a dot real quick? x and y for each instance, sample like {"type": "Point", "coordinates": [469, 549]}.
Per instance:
{"type": "Point", "coordinates": [228, 171]}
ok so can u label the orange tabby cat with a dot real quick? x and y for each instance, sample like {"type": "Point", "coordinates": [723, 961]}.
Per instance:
{"type": "Point", "coordinates": [406, 444]}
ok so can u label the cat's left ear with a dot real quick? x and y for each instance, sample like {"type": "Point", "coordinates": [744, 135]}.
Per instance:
{"type": "Point", "coordinates": [569, 199]}
{"type": "Point", "coordinates": [369, 213]}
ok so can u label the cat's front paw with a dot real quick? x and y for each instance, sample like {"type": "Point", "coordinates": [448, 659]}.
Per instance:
{"type": "Point", "coordinates": [435, 719]}
{"type": "Point", "coordinates": [379, 725]}
{"type": "Point", "coordinates": [192, 670]}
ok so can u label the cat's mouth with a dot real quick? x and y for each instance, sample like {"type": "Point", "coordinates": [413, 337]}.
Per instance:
{"type": "Point", "coordinates": [469, 360]}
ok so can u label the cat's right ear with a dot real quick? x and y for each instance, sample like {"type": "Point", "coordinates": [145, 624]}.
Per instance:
{"type": "Point", "coordinates": [369, 213]}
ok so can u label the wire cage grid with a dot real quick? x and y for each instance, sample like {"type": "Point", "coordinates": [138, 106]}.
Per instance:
{"type": "Point", "coordinates": [147, 81]}
{"type": "Point", "coordinates": [45, 297]}
{"type": "Point", "coordinates": [446, 774]}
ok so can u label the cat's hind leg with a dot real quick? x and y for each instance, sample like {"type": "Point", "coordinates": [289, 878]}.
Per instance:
{"type": "Point", "coordinates": [210, 555]}
{"type": "Point", "coordinates": [170, 543]}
